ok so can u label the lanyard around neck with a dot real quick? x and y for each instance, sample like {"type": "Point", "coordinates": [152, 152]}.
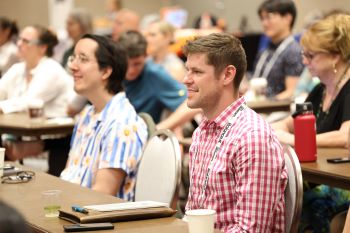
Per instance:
{"type": "Point", "coordinates": [272, 61]}
{"type": "Point", "coordinates": [215, 153]}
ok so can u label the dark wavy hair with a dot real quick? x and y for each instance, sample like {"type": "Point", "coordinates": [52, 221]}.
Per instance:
{"type": "Point", "coordinates": [110, 54]}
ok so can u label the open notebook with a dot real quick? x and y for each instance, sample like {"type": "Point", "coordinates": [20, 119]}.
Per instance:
{"type": "Point", "coordinates": [117, 212]}
{"type": "Point", "coordinates": [126, 206]}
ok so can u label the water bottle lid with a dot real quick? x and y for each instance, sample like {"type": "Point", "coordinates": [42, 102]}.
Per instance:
{"type": "Point", "coordinates": [302, 108]}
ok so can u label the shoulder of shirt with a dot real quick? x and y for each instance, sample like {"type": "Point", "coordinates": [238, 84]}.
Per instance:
{"type": "Point", "coordinates": [120, 106]}
{"type": "Point", "coordinates": [251, 121]}
{"type": "Point", "coordinates": [294, 46]}
{"type": "Point", "coordinates": [50, 61]}
{"type": "Point", "coordinates": [155, 70]}
{"type": "Point", "coordinates": [16, 69]}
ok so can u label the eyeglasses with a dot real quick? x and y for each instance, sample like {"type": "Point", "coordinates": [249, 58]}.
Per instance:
{"type": "Point", "coordinates": [308, 55]}
{"type": "Point", "coordinates": [267, 16]}
{"type": "Point", "coordinates": [27, 41]}
{"type": "Point", "coordinates": [19, 177]}
{"type": "Point", "coordinates": [79, 59]}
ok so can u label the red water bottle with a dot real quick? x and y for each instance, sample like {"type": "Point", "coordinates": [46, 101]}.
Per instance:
{"type": "Point", "coordinates": [305, 132]}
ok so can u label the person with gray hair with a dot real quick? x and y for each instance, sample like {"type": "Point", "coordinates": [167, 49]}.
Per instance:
{"type": "Point", "coordinates": [79, 23]}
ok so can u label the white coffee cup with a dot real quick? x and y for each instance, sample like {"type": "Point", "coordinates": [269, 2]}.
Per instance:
{"type": "Point", "coordinates": [36, 109]}
{"type": "Point", "coordinates": [2, 161]}
{"type": "Point", "coordinates": [201, 220]}
{"type": "Point", "coordinates": [258, 86]}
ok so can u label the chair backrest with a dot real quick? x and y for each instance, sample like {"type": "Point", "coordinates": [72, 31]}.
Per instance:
{"type": "Point", "coordinates": [159, 172]}
{"type": "Point", "coordinates": [151, 126]}
{"type": "Point", "coordinates": [294, 190]}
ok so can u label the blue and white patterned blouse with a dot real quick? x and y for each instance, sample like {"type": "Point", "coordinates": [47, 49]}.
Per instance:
{"type": "Point", "coordinates": [112, 138]}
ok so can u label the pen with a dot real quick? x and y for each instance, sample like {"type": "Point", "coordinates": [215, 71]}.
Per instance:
{"type": "Point", "coordinates": [79, 209]}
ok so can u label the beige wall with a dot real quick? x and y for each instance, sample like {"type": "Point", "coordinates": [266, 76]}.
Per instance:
{"type": "Point", "coordinates": [35, 11]}
{"type": "Point", "coordinates": [25, 12]}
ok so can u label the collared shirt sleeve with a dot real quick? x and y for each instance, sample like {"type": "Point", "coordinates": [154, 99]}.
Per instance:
{"type": "Point", "coordinates": [258, 184]}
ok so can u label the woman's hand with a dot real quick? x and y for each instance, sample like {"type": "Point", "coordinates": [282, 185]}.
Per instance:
{"type": "Point", "coordinates": [285, 137]}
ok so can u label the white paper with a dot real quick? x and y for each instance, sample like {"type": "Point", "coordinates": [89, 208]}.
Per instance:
{"type": "Point", "coordinates": [60, 121]}
{"type": "Point", "coordinates": [126, 206]}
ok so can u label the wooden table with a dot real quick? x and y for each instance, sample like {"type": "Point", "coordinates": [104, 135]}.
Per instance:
{"type": "Point", "coordinates": [269, 106]}
{"type": "Point", "coordinates": [26, 198]}
{"type": "Point", "coordinates": [20, 124]}
{"type": "Point", "coordinates": [322, 172]}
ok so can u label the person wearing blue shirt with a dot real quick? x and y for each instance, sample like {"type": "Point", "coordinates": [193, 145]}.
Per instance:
{"type": "Point", "coordinates": [148, 86]}
{"type": "Point", "coordinates": [108, 136]}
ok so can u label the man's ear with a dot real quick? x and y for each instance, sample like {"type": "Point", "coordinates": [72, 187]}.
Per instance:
{"type": "Point", "coordinates": [289, 18]}
{"type": "Point", "coordinates": [229, 74]}
{"type": "Point", "coordinates": [106, 73]}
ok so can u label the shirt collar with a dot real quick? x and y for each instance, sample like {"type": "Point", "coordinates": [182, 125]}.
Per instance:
{"type": "Point", "coordinates": [105, 111]}
{"type": "Point", "coordinates": [221, 120]}
{"type": "Point", "coordinates": [35, 69]}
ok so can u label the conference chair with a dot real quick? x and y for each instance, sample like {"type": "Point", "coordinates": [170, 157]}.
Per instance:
{"type": "Point", "coordinates": [294, 190]}
{"type": "Point", "coordinates": [151, 126]}
{"type": "Point", "coordinates": [159, 172]}
{"type": "Point", "coordinates": [338, 222]}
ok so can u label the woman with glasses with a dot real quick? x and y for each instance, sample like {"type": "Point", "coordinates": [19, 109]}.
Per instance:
{"type": "Point", "coordinates": [326, 53]}
{"type": "Point", "coordinates": [37, 77]}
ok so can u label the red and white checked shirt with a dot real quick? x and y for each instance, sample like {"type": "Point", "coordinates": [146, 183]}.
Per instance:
{"type": "Point", "coordinates": [246, 185]}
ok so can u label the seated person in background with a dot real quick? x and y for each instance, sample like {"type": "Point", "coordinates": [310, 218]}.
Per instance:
{"type": "Point", "coordinates": [148, 86]}
{"type": "Point", "coordinates": [37, 77]}
{"type": "Point", "coordinates": [159, 35]}
{"type": "Point", "coordinates": [280, 63]}
{"type": "Point", "coordinates": [108, 137]}
{"type": "Point", "coordinates": [125, 20]}
{"type": "Point", "coordinates": [78, 23]}
{"type": "Point", "coordinates": [209, 23]}
{"type": "Point", "coordinates": [248, 169]}
{"type": "Point", "coordinates": [11, 221]}
{"type": "Point", "coordinates": [8, 48]}
{"type": "Point", "coordinates": [326, 53]}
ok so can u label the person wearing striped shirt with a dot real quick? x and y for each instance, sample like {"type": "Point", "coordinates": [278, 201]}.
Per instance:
{"type": "Point", "coordinates": [108, 137]}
